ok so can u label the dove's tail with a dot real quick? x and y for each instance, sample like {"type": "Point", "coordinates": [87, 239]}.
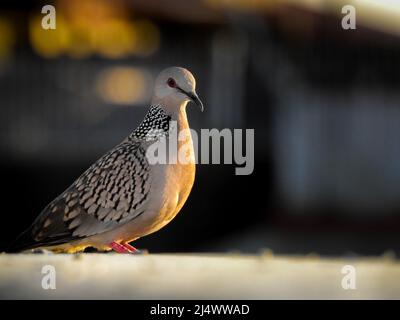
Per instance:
{"type": "Point", "coordinates": [23, 242]}
{"type": "Point", "coordinates": [26, 241]}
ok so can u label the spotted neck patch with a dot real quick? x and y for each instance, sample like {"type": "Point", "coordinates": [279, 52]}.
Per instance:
{"type": "Point", "coordinates": [155, 125]}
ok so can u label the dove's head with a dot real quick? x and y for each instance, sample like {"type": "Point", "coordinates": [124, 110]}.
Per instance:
{"type": "Point", "coordinates": [174, 87]}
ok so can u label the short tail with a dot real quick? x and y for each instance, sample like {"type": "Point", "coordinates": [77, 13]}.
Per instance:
{"type": "Point", "coordinates": [23, 242]}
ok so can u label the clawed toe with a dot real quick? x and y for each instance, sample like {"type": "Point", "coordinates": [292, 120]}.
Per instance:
{"type": "Point", "coordinates": [132, 249]}
{"type": "Point", "coordinates": [124, 248]}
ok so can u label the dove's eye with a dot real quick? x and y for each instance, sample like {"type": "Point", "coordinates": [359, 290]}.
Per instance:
{"type": "Point", "coordinates": [171, 82]}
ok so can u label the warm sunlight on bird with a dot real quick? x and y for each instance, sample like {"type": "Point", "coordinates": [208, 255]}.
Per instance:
{"type": "Point", "coordinates": [122, 196]}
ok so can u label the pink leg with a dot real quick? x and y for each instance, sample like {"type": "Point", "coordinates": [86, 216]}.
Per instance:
{"type": "Point", "coordinates": [118, 247]}
{"type": "Point", "coordinates": [130, 248]}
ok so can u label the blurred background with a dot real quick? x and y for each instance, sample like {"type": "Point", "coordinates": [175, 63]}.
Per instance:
{"type": "Point", "coordinates": [324, 103]}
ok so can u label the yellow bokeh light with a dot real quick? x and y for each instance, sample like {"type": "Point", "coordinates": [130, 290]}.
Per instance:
{"type": "Point", "coordinates": [123, 85]}
{"type": "Point", "coordinates": [7, 38]}
{"type": "Point", "coordinates": [114, 38]}
{"type": "Point", "coordinates": [79, 44]}
{"type": "Point", "coordinates": [94, 27]}
{"type": "Point", "coordinates": [48, 43]}
{"type": "Point", "coordinates": [241, 5]}
{"type": "Point", "coordinates": [148, 37]}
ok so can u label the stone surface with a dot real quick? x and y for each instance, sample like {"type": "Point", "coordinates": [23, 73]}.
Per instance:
{"type": "Point", "coordinates": [176, 276]}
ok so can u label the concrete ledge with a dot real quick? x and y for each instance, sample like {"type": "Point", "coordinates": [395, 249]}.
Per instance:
{"type": "Point", "coordinates": [192, 276]}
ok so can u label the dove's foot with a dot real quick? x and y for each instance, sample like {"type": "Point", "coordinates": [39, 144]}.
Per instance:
{"type": "Point", "coordinates": [124, 248]}
{"type": "Point", "coordinates": [118, 247]}
{"type": "Point", "coordinates": [132, 249]}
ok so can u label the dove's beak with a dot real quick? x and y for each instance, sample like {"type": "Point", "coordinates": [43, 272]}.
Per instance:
{"type": "Point", "coordinates": [195, 98]}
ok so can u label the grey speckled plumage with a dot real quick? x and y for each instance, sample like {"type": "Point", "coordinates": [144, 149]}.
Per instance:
{"type": "Point", "coordinates": [112, 191]}
{"type": "Point", "coordinates": [121, 186]}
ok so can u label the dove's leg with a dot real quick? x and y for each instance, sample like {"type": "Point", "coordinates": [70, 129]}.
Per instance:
{"type": "Point", "coordinates": [118, 247]}
{"type": "Point", "coordinates": [123, 248]}
{"type": "Point", "coordinates": [130, 248]}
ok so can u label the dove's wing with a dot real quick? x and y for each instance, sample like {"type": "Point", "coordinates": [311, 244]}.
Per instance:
{"type": "Point", "coordinates": [111, 192]}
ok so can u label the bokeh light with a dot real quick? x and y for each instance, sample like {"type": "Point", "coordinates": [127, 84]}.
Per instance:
{"type": "Point", "coordinates": [94, 27]}
{"type": "Point", "coordinates": [7, 38]}
{"type": "Point", "coordinates": [124, 85]}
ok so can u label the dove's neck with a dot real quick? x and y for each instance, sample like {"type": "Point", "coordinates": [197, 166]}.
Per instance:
{"type": "Point", "coordinates": [158, 119]}
{"type": "Point", "coordinates": [175, 109]}
{"type": "Point", "coordinates": [155, 124]}
{"type": "Point", "coordinates": [182, 159]}
{"type": "Point", "coordinates": [179, 115]}
{"type": "Point", "coordinates": [178, 134]}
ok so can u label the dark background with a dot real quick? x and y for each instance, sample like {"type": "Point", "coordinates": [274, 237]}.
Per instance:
{"type": "Point", "coordinates": [324, 103]}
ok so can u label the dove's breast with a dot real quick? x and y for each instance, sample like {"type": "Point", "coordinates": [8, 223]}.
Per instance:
{"type": "Point", "coordinates": [171, 184]}
{"type": "Point", "coordinates": [170, 195]}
